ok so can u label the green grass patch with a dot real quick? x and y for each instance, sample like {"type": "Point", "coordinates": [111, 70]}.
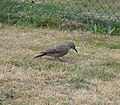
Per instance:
{"type": "Point", "coordinates": [38, 64]}
{"type": "Point", "coordinates": [102, 41]}
{"type": "Point", "coordinates": [77, 79]}
{"type": "Point", "coordinates": [113, 64]}
{"type": "Point", "coordinates": [79, 76]}
{"type": "Point", "coordinates": [9, 95]}
{"type": "Point", "coordinates": [25, 64]}
{"type": "Point", "coordinates": [101, 73]}
{"type": "Point", "coordinates": [109, 45]}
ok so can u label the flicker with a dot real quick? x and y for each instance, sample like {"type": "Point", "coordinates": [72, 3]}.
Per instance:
{"type": "Point", "coordinates": [58, 51]}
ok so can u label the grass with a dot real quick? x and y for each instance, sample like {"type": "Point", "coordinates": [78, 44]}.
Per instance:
{"type": "Point", "coordinates": [89, 77]}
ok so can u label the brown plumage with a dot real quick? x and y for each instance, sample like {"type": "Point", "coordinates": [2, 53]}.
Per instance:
{"type": "Point", "coordinates": [58, 51]}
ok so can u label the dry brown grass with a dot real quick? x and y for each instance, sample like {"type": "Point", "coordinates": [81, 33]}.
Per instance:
{"type": "Point", "coordinates": [90, 77]}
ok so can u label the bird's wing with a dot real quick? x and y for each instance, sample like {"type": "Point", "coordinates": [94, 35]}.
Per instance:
{"type": "Point", "coordinates": [57, 49]}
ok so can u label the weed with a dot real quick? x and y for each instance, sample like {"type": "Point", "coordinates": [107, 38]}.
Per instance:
{"type": "Point", "coordinates": [77, 79]}
{"type": "Point", "coordinates": [8, 95]}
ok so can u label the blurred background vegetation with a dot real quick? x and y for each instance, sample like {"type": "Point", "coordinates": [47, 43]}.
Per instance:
{"type": "Point", "coordinates": [97, 16]}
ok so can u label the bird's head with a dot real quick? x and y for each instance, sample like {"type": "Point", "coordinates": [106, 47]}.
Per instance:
{"type": "Point", "coordinates": [72, 46]}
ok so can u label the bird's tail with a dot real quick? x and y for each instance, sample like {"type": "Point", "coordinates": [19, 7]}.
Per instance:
{"type": "Point", "coordinates": [40, 55]}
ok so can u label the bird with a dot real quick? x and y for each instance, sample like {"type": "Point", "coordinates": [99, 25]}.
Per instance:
{"type": "Point", "coordinates": [58, 51]}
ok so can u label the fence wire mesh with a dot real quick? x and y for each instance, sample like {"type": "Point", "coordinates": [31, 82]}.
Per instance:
{"type": "Point", "coordinates": [101, 11]}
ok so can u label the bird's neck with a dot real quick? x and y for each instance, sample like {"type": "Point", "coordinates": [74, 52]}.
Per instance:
{"type": "Point", "coordinates": [69, 47]}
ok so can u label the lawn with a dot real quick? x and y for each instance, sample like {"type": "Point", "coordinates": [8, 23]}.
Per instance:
{"type": "Point", "coordinates": [91, 77]}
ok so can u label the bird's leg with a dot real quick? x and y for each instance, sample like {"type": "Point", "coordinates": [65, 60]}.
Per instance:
{"type": "Point", "coordinates": [59, 59]}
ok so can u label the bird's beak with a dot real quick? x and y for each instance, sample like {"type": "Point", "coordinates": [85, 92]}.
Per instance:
{"type": "Point", "coordinates": [75, 50]}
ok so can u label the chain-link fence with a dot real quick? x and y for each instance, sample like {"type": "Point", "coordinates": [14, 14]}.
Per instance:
{"type": "Point", "coordinates": [43, 12]}
{"type": "Point", "coordinates": [100, 9]}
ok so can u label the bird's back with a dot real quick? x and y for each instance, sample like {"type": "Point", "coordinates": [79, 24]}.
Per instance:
{"type": "Point", "coordinates": [57, 51]}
